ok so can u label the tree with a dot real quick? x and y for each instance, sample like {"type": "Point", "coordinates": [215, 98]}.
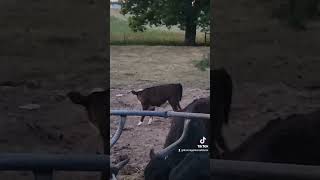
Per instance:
{"type": "Point", "coordinates": [187, 14]}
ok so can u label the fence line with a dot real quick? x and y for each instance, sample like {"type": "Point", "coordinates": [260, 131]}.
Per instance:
{"type": "Point", "coordinates": [43, 165]}
{"type": "Point", "coordinates": [124, 113]}
{"type": "Point", "coordinates": [164, 114]}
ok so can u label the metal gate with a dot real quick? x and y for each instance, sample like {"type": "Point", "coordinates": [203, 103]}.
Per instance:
{"type": "Point", "coordinates": [165, 114]}
{"type": "Point", "coordinates": [44, 165]}
{"type": "Point", "coordinates": [256, 170]}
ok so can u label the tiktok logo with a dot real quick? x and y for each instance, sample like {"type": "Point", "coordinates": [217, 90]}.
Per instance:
{"type": "Point", "coordinates": [202, 140]}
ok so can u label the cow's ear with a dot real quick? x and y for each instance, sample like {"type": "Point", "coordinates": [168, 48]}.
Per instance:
{"type": "Point", "coordinates": [152, 154]}
{"type": "Point", "coordinates": [78, 98]}
{"type": "Point", "coordinates": [134, 92]}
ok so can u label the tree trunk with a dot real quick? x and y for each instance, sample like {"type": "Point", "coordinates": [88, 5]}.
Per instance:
{"type": "Point", "coordinates": [190, 34]}
{"type": "Point", "coordinates": [191, 26]}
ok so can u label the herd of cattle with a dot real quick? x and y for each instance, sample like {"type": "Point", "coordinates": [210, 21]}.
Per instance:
{"type": "Point", "coordinates": [291, 140]}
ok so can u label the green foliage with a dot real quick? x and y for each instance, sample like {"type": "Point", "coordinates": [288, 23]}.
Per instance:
{"type": "Point", "coordinates": [165, 12]}
{"type": "Point", "coordinates": [121, 34]}
{"type": "Point", "coordinates": [118, 25]}
{"type": "Point", "coordinates": [203, 64]}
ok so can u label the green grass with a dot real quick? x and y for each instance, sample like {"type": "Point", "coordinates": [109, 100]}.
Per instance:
{"type": "Point", "coordinates": [202, 64]}
{"type": "Point", "coordinates": [121, 34]}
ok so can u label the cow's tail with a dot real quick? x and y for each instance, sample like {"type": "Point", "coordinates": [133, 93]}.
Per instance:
{"type": "Point", "coordinates": [180, 89]}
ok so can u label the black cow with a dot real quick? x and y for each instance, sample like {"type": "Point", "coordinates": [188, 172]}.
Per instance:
{"type": "Point", "coordinates": [295, 140]}
{"type": "Point", "coordinates": [157, 96]}
{"type": "Point", "coordinates": [168, 162]}
{"type": "Point", "coordinates": [195, 165]}
{"type": "Point", "coordinates": [221, 99]}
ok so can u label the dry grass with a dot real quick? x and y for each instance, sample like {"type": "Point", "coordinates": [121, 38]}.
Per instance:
{"type": "Point", "coordinates": [140, 65]}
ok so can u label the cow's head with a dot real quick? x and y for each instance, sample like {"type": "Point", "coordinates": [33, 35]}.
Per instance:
{"type": "Point", "coordinates": [138, 94]}
{"type": "Point", "coordinates": [162, 162]}
{"type": "Point", "coordinates": [158, 168]}
{"type": "Point", "coordinates": [95, 103]}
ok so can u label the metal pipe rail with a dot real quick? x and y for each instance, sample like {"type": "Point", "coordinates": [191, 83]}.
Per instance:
{"type": "Point", "coordinates": [164, 114]}
{"type": "Point", "coordinates": [256, 170]}
{"type": "Point", "coordinates": [118, 133]}
{"type": "Point", "coordinates": [43, 165]}
{"type": "Point", "coordinates": [124, 113]}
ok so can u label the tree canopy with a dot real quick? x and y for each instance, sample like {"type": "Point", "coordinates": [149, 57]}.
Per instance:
{"type": "Point", "coordinates": [188, 15]}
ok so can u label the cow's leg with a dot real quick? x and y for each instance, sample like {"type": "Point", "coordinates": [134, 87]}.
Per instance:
{"type": "Point", "coordinates": [174, 104]}
{"type": "Point", "coordinates": [141, 120]}
{"type": "Point", "coordinates": [144, 107]}
{"type": "Point", "coordinates": [219, 134]}
{"type": "Point", "coordinates": [152, 108]}
{"type": "Point", "coordinates": [179, 106]}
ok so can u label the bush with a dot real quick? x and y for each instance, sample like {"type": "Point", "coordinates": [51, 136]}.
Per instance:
{"type": "Point", "coordinates": [203, 64]}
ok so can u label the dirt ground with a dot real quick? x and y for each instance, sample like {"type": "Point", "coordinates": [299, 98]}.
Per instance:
{"type": "Point", "coordinates": [275, 68]}
{"type": "Point", "coordinates": [275, 72]}
{"type": "Point", "coordinates": [136, 67]}
{"type": "Point", "coordinates": [272, 67]}
{"type": "Point", "coordinates": [44, 54]}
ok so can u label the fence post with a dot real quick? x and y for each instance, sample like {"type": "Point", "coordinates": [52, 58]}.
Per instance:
{"type": "Point", "coordinates": [205, 37]}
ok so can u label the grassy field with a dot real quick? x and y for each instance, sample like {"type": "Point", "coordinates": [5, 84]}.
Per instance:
{"type": "Point", "coordinates": [121, 34]}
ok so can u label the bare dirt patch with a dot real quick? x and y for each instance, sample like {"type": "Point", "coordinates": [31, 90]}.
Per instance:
{"type": "Point", "coordinates": [44, 54]}
{"type": "Point", "coordinates": [135, 67]}
{"type": "Point", "coordinates": [272, 65]}
{"type": "Point", "coordinates": [140, 66]}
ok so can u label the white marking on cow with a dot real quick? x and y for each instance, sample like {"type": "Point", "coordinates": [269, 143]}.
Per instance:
{"type": "Point", "coordinates": [139, 123]}
{"type": "Point", "coordinates": [150, 120]}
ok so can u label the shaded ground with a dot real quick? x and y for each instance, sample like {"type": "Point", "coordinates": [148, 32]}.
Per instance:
{"type": "Point", "coordinates": [272, 65]}
{"type": "Point", "coordinates": [43, 55]}
{"type": "Point", "coordinates": [135, 67]}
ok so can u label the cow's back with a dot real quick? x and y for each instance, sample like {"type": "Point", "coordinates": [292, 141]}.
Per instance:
{"type": "Point", "coordinates": [197, 126]}
{"type": "Point", "coordinates": [291, 140]}
{"type": "Point", "coordinates": [158, 95]}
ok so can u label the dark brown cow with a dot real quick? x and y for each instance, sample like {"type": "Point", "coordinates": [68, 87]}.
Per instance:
{"type": "Point", "coordinates": [157, 96]}
{"type": "Point", "coordinates": [221, 99]}
{"type": "Point", "coordinates": [96, 104]}
{"type": "Point", "coordinates": [295, 140]}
